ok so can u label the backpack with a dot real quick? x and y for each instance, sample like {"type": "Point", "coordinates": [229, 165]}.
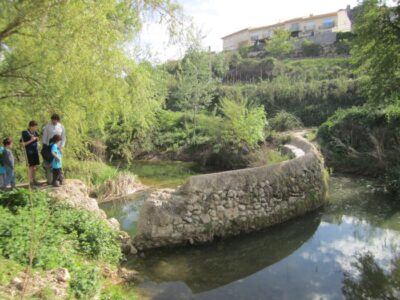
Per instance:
{"type": "Point", "coordinates": [46, 153]}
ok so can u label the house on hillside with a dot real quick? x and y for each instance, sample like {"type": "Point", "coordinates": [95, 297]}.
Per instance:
{"type": "Point", "coordinates": [321, 29]}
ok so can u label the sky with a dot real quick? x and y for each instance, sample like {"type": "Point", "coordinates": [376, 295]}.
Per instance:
{"type": "Point", "coordinates": [217, 18]}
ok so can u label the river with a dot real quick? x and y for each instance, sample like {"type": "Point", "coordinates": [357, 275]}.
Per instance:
{"type": "Point", "coordinates": [349, 249]}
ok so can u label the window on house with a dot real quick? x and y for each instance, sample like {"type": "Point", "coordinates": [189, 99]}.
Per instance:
{"type": "Point", "coordinates": [328, 23]}
{"type": "Point", "coordinates": [309, 26]}
{"type": "Point", "coordinates": [295, 27]}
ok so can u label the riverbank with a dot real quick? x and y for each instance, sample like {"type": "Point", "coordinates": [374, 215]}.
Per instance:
{"type": "Point", "coordinates": [58, 244]}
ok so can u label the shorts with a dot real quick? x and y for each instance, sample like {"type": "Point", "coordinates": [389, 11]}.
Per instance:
{"type": "Point", "coordinates": [33, 158]}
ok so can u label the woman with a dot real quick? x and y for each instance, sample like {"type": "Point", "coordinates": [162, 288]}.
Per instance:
{"type": "Point", "coordinates": [30, 139]}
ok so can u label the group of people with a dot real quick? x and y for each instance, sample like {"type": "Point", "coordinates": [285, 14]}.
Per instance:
{"type": "Point", "coordinates": [53, 140]}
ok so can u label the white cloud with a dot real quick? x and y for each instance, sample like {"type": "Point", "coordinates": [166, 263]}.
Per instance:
{"type": "Point", "coordinates": [217, 18]}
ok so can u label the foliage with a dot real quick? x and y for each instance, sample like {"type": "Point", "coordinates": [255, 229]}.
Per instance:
{"type": "Point", "coordinates": [310, 48]}
{"type": "Point", "coordinates": [56, 236]}
{"type": "Point", "coordinates": [244, 126]}
{"type": "Point", "coordinates": [279, 45]}
{"type": "Point", "coordinates": [284, 121]}
{"type": "Point", "coordinates": [8, 270]}
{"type": "Point", "coordinates": [364, 141]}
{"type": "Point", "coordinates": [376, 49]}
{"type": "Point", "coordinates": [118, 292]}
{"type": "Point", "coordinates": [85, 281]}
{"type": "Point", "coordinates": [163, 174]}
{"type": "Point", "coordinates": [67, 57]}
{"type": "Point", "coordinates": [195, 86]}
{"type": "Point", "coordinates": [343, 42]}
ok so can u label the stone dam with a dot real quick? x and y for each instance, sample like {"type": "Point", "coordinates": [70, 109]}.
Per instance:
{"type": "Point", "coordinates": [230, 203]}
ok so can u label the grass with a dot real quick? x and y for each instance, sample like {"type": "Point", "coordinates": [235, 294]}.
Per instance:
{"type": "Point", "coordinates": [163, 174]}
{"type": "Point", "coordinates": [267, 156]}
{"type": "Point", "coordinates": [312, 135]}
{"type": "Point", "coordinates": [92, 172]}
{"type": "Point", "coordinates": [8, 270]}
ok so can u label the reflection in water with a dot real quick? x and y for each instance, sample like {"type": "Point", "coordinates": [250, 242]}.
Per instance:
{"type": "Point", "coordinates": [373, 281]}
{"type": "Point", "coordinates": [126, 211]}
{"type": "Point", "coordinates": [348, 250]}
{"type": "Point", "coordinates": [214, 265]}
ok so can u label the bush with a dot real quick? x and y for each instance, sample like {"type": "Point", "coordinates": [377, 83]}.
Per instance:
{"type": "Point", "coordinates": [310, 48]}
{"type": "Point", "coordinates": [54, 236]}
{"type": "Point", "coordinates": [284, 121]}
{"type": "Point", "coordinates": [85, 281]}
{"type": "Point", "coordinates": [364, 141]}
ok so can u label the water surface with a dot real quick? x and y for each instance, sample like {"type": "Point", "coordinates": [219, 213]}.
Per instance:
{"type": "Point", "coordinates": [349, 249]}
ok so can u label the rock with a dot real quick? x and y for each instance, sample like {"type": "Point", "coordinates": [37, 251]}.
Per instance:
{"type": "Point", "coordinates": [242, 207]}
{"type": "Point", "coordinates": [163, 232]}
{"type": "Point", "coordinates": [62, 275]}
{"type": "Point", "coordinates": [188, 220]}
{"type": "Point", "coordinates": [75, 193]}
{"type": "Point", "coordinates": [133, 250]}
{"type": "Point", "coordinates": [18, 283]}
{"type": "Point", "coordinates": [128, 275]}
{"type": "Point", "coordinates": [114, 224]}
{"type": "Point", "coordinates": [197, 212]}
{"type": "Point", "coordinates": [205, 219]}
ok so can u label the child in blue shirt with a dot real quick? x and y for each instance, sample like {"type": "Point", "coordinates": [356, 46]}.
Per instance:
{"type": "Point", "coordinates": [8, 163]}
{"type": "Point", "coordinates": [2, 168]}
{"type": "Point", "coordinates": [56, 163]}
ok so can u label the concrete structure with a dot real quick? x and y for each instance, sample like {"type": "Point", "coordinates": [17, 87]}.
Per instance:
{"type": "Point", "coordinates": [233, 202]}
{"type": "Point", "coordinates": [320, 28]}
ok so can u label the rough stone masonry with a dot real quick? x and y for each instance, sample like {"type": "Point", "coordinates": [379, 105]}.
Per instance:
{"type": "Point", "coordinates": [234, 202]}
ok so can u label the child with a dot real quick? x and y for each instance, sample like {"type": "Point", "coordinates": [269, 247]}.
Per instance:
{"type": "Point", "coordinates": [56, 164]}
{"type": "Point", "coordinates": [2, 168]}
{"type": "Point", "coordinates": [30, 139]}
{"type": "Point", "coordinates": [8, 162]}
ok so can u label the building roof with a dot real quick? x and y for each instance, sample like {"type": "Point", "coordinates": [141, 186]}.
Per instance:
{"type": "Point", "coordinates": [301, 19]}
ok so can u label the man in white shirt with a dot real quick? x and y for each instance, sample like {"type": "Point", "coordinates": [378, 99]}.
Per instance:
{"type": "Point", "coordinates": [50, 130]}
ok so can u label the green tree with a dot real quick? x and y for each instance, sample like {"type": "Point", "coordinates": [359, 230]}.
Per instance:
{"type": "Point", "coordinates": [279, 45]}
{"type": "Point", "coordinates": [376, 49]}
{"type": "Point", "coordinates": [244, 127]}
{"type": "Point", "coordinates": [68, 57]}
{"type": "Point", "coordinates": [195, 85]}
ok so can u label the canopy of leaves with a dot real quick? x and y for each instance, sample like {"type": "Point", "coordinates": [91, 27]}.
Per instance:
{"type": "Point", "coordinates": [245, 127]}
{"type": "Point", "coordinates": [376, 49]}
{"type": "Point", "coordinates": [68, 57]}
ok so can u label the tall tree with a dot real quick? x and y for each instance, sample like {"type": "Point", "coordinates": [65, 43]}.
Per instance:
{"type": "Point", "coordinates": [195, 86]}
{"type": "Point", "coordinates": [68, 56]}
{"type": "Point", "coordinates": [376, 50]}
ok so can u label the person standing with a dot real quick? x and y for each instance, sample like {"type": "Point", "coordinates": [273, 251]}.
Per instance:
{"type": "Point", "coordinates": [30, 139]}
{"type": "Point", "coordinates": [56, 164]}
{"type": "Point", "coordinates": [49, 131]}
{"type": "Point", "coordinates": [8, 162]}
{"type": "Point", "coordinates": [2, 168]}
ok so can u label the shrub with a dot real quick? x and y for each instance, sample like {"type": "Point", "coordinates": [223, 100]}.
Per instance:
{"type": "Point", "coordinates": [54, 236]}
{"type": "Point", "coordinates": [364, 141]}
{"type": "Point", "coordinates": [85, 281]}
{"type": "Point", "coordinates": [310, 48]}
{"type": "Point", "coordinates": [284, 121]}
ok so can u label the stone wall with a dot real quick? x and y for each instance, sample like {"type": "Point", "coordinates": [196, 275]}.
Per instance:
{"type": "Point", "coordinates": [234, 202]}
